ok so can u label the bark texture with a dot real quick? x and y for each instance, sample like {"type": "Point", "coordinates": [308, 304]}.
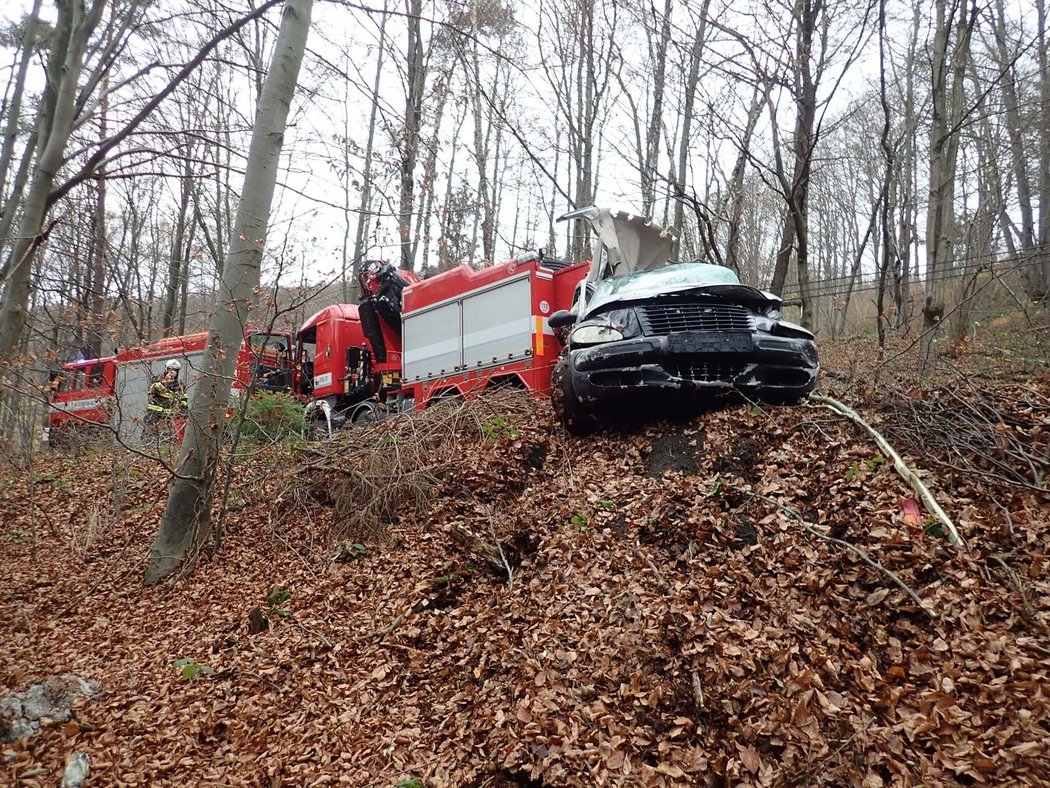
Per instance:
{"type": "Point", "coordinates": [185, 525]}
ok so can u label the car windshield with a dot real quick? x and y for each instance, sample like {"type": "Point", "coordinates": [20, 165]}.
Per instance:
{"type": "Point", "coordinates": [659, 281]}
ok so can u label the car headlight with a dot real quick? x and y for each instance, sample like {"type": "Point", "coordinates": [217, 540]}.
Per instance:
{"type": "Point", "coordinates": [596, 335]}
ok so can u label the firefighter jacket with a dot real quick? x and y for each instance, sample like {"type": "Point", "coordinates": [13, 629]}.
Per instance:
{"type": "Point", "coordinates": [166, 398]}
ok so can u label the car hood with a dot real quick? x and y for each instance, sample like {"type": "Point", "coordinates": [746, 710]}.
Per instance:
{"type": "Point", "coordinates": [628, 243]}
{"type": "Point", "coordinates": [675, 279]}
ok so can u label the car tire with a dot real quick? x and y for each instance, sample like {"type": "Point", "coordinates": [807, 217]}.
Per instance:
{"type": "Point", "coordinates": [567, 406]}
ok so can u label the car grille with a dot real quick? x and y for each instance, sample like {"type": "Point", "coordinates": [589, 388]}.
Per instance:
{"type": "Point", "coordinates": [660, 319]}
{"type": "Point", "coordinates": [705, 371]}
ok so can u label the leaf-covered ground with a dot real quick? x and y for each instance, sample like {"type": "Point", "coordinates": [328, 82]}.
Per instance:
{"type": "Point", "coordinates": [638, 608]}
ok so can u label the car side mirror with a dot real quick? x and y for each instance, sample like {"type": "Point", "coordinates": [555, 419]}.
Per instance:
{"type": "Point", "coordinates": [561, 318]}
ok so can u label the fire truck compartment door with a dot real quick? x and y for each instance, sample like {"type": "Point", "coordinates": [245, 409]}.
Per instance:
{"type": "Point", "coordinates": [498, 324]}
{"type": "Point", "coordinates": [486, 327]}
{"type": "Point", "coordinates": [432, 345]}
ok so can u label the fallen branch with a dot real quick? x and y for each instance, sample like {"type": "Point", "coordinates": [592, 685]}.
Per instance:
{"type": "Point", "coordinates": [502, 555]}
{"type": "Point", "coordinates": [867, 559]}
{"type": "Point", "coordinates": [479, 549]}
{"type": "Point", "coordinates": [899, 465]}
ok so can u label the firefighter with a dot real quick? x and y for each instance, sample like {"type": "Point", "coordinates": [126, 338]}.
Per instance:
{"type": "Point", "coordinates": [167, 397]}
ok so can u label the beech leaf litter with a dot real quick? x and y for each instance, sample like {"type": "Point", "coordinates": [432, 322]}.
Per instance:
{"type": "Point", "coordinates": [470, 597]}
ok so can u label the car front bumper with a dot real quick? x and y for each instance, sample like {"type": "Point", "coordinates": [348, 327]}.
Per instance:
{"type": "Point", "coordinates": [682, 365]}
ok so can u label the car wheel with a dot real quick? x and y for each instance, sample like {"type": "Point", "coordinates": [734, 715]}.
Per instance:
{"type": "Point", "coordinates": [567, 406]}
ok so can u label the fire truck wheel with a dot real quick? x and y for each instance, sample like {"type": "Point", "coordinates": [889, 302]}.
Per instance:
{"type": "Point", "coordinates": [567, 407]}
{"type": "Point", "coordinates": [317, 421]}
{"type": "Point", "coordinates": [365, 415]}
{"type": "Point", "coordinates": [450, 399]}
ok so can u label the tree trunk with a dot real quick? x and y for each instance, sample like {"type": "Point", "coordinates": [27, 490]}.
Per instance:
{"type": "Point", "coordinates": [585, 118]}
{"type": "Point", "coordinates": [98, 302]}
{"type": "Point", "coordinates": [409, 142]}
{"type": "Point", "coordinates": [54, 124]}
{"type": "Point", "coordinates": [946, 100]}
{"type": "Point", "coordinates": [485, 189]}
{"type": "Point", "coordinates": [186, 522]}
{"type": "Point", "coordinates": [1039, 279]}
{"type": "Point", "coordinates": [9, 207]}
{"type": "Point", "coordinates": [886, 197]}
{"type": "Point", "coordinates": [907, 197]}
{"type": "Point", "coordinates": [364, 215]}
{"type": "Point", "coordinates": [658, 55]}
{"type": "Point", "coordinates": [176, 263]}
{"type": "Point", "coordinates": [695, 54]}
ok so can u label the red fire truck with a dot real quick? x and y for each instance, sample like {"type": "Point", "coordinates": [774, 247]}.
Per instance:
{"type": "Point", "coordinates": [454, 334]}
{"type": "Point", "coordinates": [405, 344]}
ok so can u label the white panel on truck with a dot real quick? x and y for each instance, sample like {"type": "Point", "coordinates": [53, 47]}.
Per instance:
{"type": "Point", "coordinates": [132, 389]}
{"type": "Point", "coordinates": [497, 324]}
{"type": "Point", "coordinates": [432, 342]}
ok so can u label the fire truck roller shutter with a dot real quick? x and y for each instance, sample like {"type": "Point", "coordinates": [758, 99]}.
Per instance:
{"type": "Point", "coordinates": [433, 343]}
{"type": "Point", "coordinates": [134, 378]}
{"type": "Point", "coordinates": [498, 324]}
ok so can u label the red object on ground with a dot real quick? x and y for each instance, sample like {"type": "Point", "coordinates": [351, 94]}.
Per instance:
{"type": "Point", "coordinates": [911, 511]}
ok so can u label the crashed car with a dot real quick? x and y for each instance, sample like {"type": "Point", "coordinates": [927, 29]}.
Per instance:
{"type": "Point", "coordinates": [645, 333]}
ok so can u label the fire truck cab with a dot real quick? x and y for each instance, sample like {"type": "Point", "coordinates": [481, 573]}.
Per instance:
{"type": "Point", "coordinates": [80, 397]}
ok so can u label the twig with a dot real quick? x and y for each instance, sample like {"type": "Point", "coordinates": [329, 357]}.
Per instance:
{"type": "Point", "coordinates": [502, 555]}
{"type": "Point", "coordinates": [386, 632]}
{"type": "Point", "coordinates": [1015, 580]}
{"type": "Point", "coordinates": [307, 631]}
{"type": "Point", "coordinates": [698, 691]}
{"type": "Point", "coordinates": [852, 548]}
{"type": "Point", "coordinates": [657, 572]}
{"type": "Point", "coordinates": [1031, 643]}
{"type": "Point", "coordinates": [898, 464]}
{"type": "Point", "coordinates": [1009, 519]}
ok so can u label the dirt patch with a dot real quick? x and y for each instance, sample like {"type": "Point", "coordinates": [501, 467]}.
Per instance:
{"type": "Point", "coordinates": [676, 451]}
{"type": "Point", "coordinates": [745, 452]}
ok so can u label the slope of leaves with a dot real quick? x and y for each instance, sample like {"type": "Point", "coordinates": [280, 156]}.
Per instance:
{"type": "Point", "coordinates": [650, 614]}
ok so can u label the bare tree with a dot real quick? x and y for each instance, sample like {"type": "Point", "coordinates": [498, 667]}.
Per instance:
{"type": "Point", "coordinates": [951, 46]}
{"type": "Point", "coordinates": [13, 112]}
{"type": "Point", "coordinates": [365, 204]}
{"type": "Point", "coordinates": [408, 139]}
{"type": "Point", "coordinates": [578, 51]}
{"type": "Point", "coordinates": [185, 525]}
{"type": "Point", "coordinates": [55, 119]}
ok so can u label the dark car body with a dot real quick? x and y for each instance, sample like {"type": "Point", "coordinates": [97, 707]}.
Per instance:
{"type": "Point", "coordinates": [675, 334]}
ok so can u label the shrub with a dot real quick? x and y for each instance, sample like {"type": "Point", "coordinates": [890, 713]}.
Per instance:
{"type": "Point", "coordinates": [271, 417]}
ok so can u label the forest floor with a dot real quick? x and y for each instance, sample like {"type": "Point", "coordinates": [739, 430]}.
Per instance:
{"type": "Point", "coordinates": [472, 598]}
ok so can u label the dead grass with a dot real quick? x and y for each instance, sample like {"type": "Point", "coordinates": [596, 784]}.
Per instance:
{"type": "Point", "coordinates": [373, 475]}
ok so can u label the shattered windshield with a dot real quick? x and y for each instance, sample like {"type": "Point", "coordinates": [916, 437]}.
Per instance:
{"type": "Point", "coordinates": [654, 282]}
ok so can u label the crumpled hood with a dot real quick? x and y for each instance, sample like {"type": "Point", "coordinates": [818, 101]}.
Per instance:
{"type": "Point", "coordinates": [631, 243]}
